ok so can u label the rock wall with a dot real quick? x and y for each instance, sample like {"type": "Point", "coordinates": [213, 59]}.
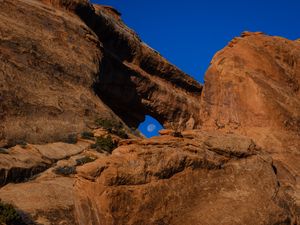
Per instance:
{"type": "Point", "coordinates": [49, 61]}
{"type": "Point", "coordinates": [252, 88]}
{"type": "Point", "coordinates": [66, 63]}
{"type": "Point", "coordinates": [252, 84]}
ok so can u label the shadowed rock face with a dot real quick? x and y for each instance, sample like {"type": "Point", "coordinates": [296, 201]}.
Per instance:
{"type": "Point", "coordinates": [60, 70]}
{"type": "Point", "coordinates": [136, 80]}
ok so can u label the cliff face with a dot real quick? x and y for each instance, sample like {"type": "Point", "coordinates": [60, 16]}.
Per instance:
{"type": "Point", "coordinates": [49, 61]}
{"type": "Point", "coordinates": [252, 88]}
{"type": "Point", "coordinates": [68, 66]}
{"type": "Point", "coordinates": [65, 64]}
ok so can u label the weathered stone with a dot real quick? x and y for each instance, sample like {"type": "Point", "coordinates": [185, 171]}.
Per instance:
{"type": "Point", "coordinates": [163, 180]}
{"type": "Point", "coordinates": [61, 60]}
{"type": "Point", "coordinates": [252, 88]}
{"type": "Point", "coordinates": [66, 63]}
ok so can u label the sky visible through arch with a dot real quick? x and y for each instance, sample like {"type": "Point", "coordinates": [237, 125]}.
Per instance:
{"type": "Point", "coordinates": [188, 33]}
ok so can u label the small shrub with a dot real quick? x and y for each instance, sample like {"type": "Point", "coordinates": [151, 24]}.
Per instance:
{"type": "Point", "coordinates": [113, 127]}
{"type": "Point", "coordinates": [3, 151]}
{"type": "Point", "coordinates": [108, 124]}
{"type": "Point", "coordinates": [65, 170]}
{"type": "Point", "coordinates": [105, 144]}
{"type": "Point", "coordinates": [71, 139]}
{"type": "Point", "coordinates": [84, 160]}
{"type": "Point", "coordinates": [120, 133]}
{"type": "Point", "coordinates": [87, 135]}
{"type": "Point", "coordinates": [9, 215]}
{"type": "Point", "coordinates": [21, 143]}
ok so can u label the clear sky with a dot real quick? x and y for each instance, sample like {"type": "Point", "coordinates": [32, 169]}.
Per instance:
{"type": "Point", "coordinates": [188, 33]}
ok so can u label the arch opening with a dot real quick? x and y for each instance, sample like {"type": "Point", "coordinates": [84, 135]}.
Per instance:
{"type": "Point", "coordinates": [150, 127]}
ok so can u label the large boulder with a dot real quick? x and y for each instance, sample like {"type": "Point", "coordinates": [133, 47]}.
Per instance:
{"type": "Point", "coordinates": [252, 87]}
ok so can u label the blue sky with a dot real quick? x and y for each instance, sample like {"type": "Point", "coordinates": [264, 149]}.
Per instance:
{"type": "Point", "coordinates": [188, 33]}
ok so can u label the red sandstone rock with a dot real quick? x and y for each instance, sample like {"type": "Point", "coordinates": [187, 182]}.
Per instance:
{"type": "Point", "coordinates": [252, 88]}
{"type": "Point", "coordinates": [65, 63]}
{"type": "Point", "coordinates": [210, 179]}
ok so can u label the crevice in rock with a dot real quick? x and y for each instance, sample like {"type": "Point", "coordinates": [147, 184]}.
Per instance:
{"type": "Point", "coordinates": [274, 169]}
{"type": "Point", "coordinates": [24, 174]}
{"type": "Point", "coordinates": [19, 174]}
{"type": "Point", "coordinates": [231, 154]}
{"type": "Point", "coordinates": [165, 173]}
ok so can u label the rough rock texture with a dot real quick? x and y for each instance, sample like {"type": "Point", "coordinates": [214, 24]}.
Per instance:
{"type": "Point", "coordinates": [134, 76]}
{"type": "Point", "coordinates": [58, 67]}
{"type": "Point", "coordinates": [22, 163]}
{"type": "Point", "coordinates": [48, 63]}
{"type": "Point", "coordinates": [202, 178]}
{"type": "Point", "coordinates": [252, 88]}
{"type": "Point", "coordinates": [65, 63]}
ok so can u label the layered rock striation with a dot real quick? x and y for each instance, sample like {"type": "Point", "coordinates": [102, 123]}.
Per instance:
{"type": "Point", "coordinates": [252, 88]}
{"type": "Point", "coordinates": [66, 63]}
{"type": "Point", "coordinates": [74, 72]}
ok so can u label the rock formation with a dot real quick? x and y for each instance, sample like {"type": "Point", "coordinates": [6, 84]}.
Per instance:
{"type": "Point", "coordinates": [252, 88]}
{"type": "Point", "coordinates": [201, 178]}
{"type": "Point", "coordinates": [74, 72]}
{"type": "Point", "coordinates": [59, 73]}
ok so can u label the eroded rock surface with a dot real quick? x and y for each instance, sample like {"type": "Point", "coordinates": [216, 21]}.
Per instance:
{"type": "Point", "coordinates": [252, 88]}
{"type": "Point", "coordinates": [202, 178]}
{"type": "Point", "coordinates": [48, 63]}
{"type": "Point", "coordinates": [64, 62]}
{"type": "Point", "coordinates": [21, 163]}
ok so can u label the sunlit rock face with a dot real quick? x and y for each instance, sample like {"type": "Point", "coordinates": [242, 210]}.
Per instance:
{"type": "Point", "coordinates": [254, 82]}
{"type": "Point", "coordinates": [206, 177]}
{"type": "Point", "coordinates": [49, 61]}
{"type": "Point", "coordinates": [66, 63]}
{"type": "Point", "coordinates": [252, 88]}
{"type": "Point", "coordinates": [69, 66]}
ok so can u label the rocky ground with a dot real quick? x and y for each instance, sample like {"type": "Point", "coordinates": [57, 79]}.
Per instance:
{"type": "Point", "coordinates": [75, 82]}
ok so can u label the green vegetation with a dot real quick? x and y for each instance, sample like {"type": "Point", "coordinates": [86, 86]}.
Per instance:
{"type": "Point", "coordinates": [120, 133]}
{"type": "Point", "coordinates": [3, 151]}
{"type": "Point", "coordinates": [65, 170]}
{"type": "Point", "coordinates": [105, 144]}
{"type": "Point", "coordinates": [9, 215]}
{"type": "Point", "coordinates": [23, 144]}
{"type": "Point", "coordinates": [112, 127]}
{"type": "Point", "coordinates": [84, 160]}
{"type": "Point", "coordinates": [136, 132]}
{"type": "Point", "coordinates": [108, 124]}
{"type": "Point", "coordinates": [71, 139]}
{"type": "Point", "coordinates": [87, 135]}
